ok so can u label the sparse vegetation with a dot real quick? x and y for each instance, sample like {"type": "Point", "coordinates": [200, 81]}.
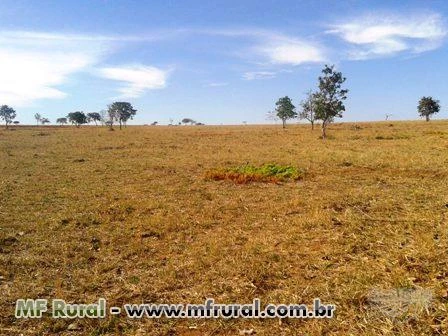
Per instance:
{"type": "Point", "coordinates": [248, 173]}
{"type": "Point", "coordinates": [37, 117]}
{"type": "Point", "coordinates": [129, 216]}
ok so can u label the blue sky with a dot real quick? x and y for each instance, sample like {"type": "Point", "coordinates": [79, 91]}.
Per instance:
{"type": "Point", "coordinates": [219, 61]}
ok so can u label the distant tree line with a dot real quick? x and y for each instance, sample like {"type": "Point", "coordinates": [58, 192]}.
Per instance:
{"type": "Point", "coordinates": [117, 112]}
{"type": "Point", "coordinates": [327, 103]}
{"type": "Point", "coordinates": [324, 104]}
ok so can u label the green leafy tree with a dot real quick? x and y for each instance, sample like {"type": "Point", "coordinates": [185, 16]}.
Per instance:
{"type": "Point", "coordinates": [427, 106]}
{"type": "Point", "coordinates": [77, 118]}
{"type": "Point", "coordinates": [120, 112]}
{"type": "Point", "coordinates": [308, 105]}
{"type": "Point", "coordinates": [330, 97]}
{"type": "Point", "coordinates": [61, 121]}
{"type": "Point", "coordinates": [94, 116]}
{"type": "Point", "coordinates": [285, 109]}
{"type": "Point", "coordinates": [44, 121]}
{"type": "Point", "coordinates": [188, 121]}
{"type": "Point", "coordinates": [7, 114]}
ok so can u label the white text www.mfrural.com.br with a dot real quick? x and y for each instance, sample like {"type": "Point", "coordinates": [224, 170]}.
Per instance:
{"type": "Point", "coordinates": [29, 308]}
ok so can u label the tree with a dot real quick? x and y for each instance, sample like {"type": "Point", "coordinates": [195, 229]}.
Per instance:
{"type": "Point", "coordinates": [77, 118]}
{"type": "Point", "coordinates": [16, 122]}
{"type": "Point", "coordinates": [121, 112]}
{"type": "Point", "coordinates": [61, 121]}
{"type": "Point", "coordinates": [188, 121]}
{"type": "Point", "coordinates": [308, 106]}
{"type": "Point", "coordinates": [104, 114]}
{"type": "Point", "coordinates": [44, 121]}
{"type": "Point", "coordinates": [427, 106]}
{"type": "Point", "coordinates": [7, 114]}
{"type": "Point", "coordinates": [285, 109]}
{"type": "Point", "coordinates": [330, 98]}
{"type": "Point", "coordinates": [94, 116]}
{"type": "Point", "coordinates": [38, 117]}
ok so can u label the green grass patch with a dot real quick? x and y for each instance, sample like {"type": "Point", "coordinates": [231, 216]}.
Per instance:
{"type": "Point", "coordinates": [270, 172]}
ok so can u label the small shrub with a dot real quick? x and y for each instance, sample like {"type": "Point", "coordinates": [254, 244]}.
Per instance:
{"type": "Point", "coordinates": [381, 137]}
{"type": "Point", "coordinates": [272, 173]}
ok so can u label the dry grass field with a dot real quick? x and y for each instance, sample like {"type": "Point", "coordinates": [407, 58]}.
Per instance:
{"type": "Point", "coordinates": [130, 216]}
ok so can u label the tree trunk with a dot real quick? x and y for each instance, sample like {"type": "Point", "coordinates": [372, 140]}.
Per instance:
{"type": "Point", "coordinates": [284, 123]}
{"type": "Point", "coordinates": [120, 124]}
{"type": "Point", "coordinates": [324, 130]}
{"type": "Point", "coordinates": [312, 125]}
{"type": "Point", "coordinates": [427, 118]}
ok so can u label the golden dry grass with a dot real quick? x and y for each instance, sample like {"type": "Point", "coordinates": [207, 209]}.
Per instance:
{"type": "Point", "coordinates": [128, 216]}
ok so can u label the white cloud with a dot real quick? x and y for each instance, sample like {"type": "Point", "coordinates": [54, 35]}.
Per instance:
{"type": "Point", "coordinates": [136, 78]}
{"type": "Point", "coordinates": [291, 52]}
{"type": "Point", "coordinates": [252, 75]}
{"type": "Point", "coordinates": [33, 65]}
{"type": "Point", "coordinates": [274, 47]}
{"type": "Point", "coordinates": [382, 35]}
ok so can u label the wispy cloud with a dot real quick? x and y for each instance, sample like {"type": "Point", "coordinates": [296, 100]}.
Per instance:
{"type": "Point", "coordinates": [137, 79]}
{"type": "Point", "coordinates": [216, 84]}
{"type": "Point", "coordinates": [378, 35]}
{"type": "Point", "coordinates": [290, 51]}
{"type": "Point", "coordinates": [33, 65]}
{"type": "Point", "coordinates": [274, 47]}
{"type": "Point", "coordinates": [252, 75]}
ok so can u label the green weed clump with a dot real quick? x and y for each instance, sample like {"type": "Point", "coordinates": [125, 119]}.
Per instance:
{"type": "Point", "coordinates": [270, 172]}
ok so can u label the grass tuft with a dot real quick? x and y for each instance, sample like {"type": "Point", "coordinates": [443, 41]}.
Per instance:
{"type": "Point", "coordinates": [270, 173]}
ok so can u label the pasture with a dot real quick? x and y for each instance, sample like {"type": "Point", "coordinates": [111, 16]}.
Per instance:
{"type": "Point", "coordinates": [130, 216]}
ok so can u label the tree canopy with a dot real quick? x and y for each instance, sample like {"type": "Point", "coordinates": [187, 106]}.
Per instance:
{"type": "Point", "coordinates": [427, 106]}
{"type": "Point", "coordinates": [7, 114]}
{"type": "Point", "coordinates": [329, 100]}
{"type": "Point", "coordinates": [61, 121]}
{"type": "Point", "coordinates": [188, 121]}
{"type": "Point", "coordinates": [308, 108]}
{"type": "Point", "coordinates": [94, 116]}
{"type": "Point", "coordinates": [121, 112]}
{"type": "Point", "coordinates": [77, 118]}
{"type": "Point", "coordinates": [285, 109]}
